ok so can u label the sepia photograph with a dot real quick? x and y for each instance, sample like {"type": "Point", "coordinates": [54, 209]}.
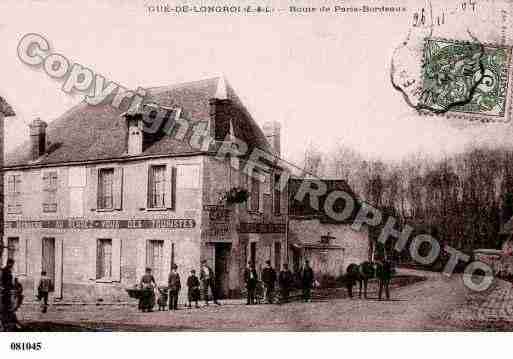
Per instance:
{"type": "Point", "coordinates": [195, 170]}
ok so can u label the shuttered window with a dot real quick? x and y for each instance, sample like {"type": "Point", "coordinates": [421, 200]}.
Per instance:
{"type": "Point", "coordinates": [104, 258]}
{"type": "Point", "coordinates": [106, 188]}
{"type": "Point", "coordinates": [157, 186]}
{"type": "Point", "coordinates": [277, 195]}
{"type": "Point", "coordinates": [50, 191]}
{"type": "Point", "coordinates": [155, 258]}
{"type": "Point", "coordinates": [14, 194]}
{"type": "Point", "coordinates": [254, 199]}
{"type": "Point", "coordinates": [13, 252]}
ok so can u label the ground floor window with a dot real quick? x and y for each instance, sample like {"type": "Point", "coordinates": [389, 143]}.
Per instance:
{"type": "Point", "coordinates": [155, 258]}
{"type": "Point", "coordinates": [104, 258]}
{"type": "Point", "coordinates": [13, 251]}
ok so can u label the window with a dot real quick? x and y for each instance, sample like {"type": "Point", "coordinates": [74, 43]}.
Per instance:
{"type": "Point", "coordinates": [157, 186]}
{"type": "Point", "coordinates": [104, 259]}
{"type": "Point", "coordinates": [50, 191]}
{"type": "Point", "coordinates": [155, 258]}
{"type": "Point", "coordinates": [277, 195]}
{"type": "Point", "coordinates": [254, 198]}
{"type": "Point", "coordinates": [106, 188]}
{"type": "Point", "coordinates": [14, 194]}
{"type": "Point", "coordinates": [13, 251]}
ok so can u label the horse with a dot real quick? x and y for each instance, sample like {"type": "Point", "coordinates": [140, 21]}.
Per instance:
{"type": "Point", "coordinates": [360, 273]}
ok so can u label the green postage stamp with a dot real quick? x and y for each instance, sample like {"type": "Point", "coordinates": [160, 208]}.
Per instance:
{"type": "Point", "coordinates": [464, 79]}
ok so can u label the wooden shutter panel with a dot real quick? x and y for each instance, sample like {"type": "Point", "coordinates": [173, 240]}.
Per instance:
{"type": "Point", "coordinates": [93, 188]}
{"type": "Point", "coordinates": [116, 259]}
{"type": "Point", "coordinates": [141, 259]}
{"type": "Point", "coordinates": [168, 253]}
{"type": "Point", "coordinates": [118, 188]}
{"type": "Point", "coordinates": [171, 190]}
{"type": "Point", "coordinates": [149, 191]}
{"type": "Point", "coordinates": [93, 258]}
{"type": "Point", "coordinates": [59, 243]}
{"type": "Point", "coordinates": [22, 255]}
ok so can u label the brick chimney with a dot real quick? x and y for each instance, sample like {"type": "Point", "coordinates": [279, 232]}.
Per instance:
{"type": "Point", "coordinates": [272, 132]}
{"type": "Point", "coordinates": [37, 138]}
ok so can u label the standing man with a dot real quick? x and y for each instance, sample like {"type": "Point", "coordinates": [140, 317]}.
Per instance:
{"type": "Point", "coordinates": [251, 279]}
{"type": "Point", "coordinates": [385, 272]}
{"type": "Point", "coordinates": [285, 280]}
{"type": "Point", "coordinates": [11, 295]}
{"type": "Point", "coordinates": [208, 281]}
{"type": "Point", "coordinates": [307, 280]}
{"type": "Point", "coordinates": [44, 287]}
{"type": "Point", "coordinates": [174, 286]}
{"type": "Point", "coordinates": [269, 279]}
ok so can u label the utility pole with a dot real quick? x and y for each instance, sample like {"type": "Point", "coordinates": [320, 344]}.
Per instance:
{"type": "Point", "coordinates": [5, 111]}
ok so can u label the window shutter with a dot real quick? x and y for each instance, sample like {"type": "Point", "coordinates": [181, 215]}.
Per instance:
{"type": "Point", "coordinates": [93, 188]}
{"type": "Point", "coordinates": [141, 259]}
{"type": "Point", "coordinates": [22, 255]}
{"type": "Point", "coordinates": [116, 259]}
{"type": "Point", "coordinates": [171, 190]}
{"type": "Point", "coordinates": [149, 191]}
{"type": "Point", "coordinates": [168, 254]}
{"type": "Point", "coordinates": [118, 188]}
{"type": "Point", "coordinates": [3, 260]}
{"type": "Point", "coordinates": [58, 267]}
{"type": "Point", "coordinates": [93, 258]}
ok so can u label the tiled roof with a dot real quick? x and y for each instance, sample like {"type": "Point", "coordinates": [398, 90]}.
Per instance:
{"type": "Point", "coordinates": [99, 132]}
{"type": "Point", "coordinates": [303, 209]}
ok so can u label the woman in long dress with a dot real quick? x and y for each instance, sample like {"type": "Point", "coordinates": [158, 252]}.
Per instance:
{"type": "Point", "coordinates": [148, 284]}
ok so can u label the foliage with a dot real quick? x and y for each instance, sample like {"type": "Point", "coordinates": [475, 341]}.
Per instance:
{"type": "Point", "coordinates": [237, 195]}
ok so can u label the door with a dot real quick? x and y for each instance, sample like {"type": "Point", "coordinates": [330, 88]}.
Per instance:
{"type": "Point", "coordinates": [222, 267]}
{"type": "Point", "coordinates": [252, 253]}
{"type": "Point", "coordinates": [48, 257]}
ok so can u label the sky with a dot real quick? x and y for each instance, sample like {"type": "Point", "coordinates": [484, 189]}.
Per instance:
{"type": "Point", "coordinates": [325, 78]}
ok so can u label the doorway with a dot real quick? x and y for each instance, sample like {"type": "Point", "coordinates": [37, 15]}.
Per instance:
{"type": "Point", "coordinates": [222, 268]}
{"type": "Point", "coordinates": [48, 257]}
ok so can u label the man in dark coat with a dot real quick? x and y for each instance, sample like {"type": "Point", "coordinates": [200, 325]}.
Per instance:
{"type": "Point", "coordinates": [208, 281]}
{"type": "Point", "coordinates": [285, 281]}
{"type": "Point", "coordinates": [11, 294]}
{"type": "Point", "coordinates": [251, 279]}
{"type": "Point", "coordinates": [307, 281]}
{"type": "Point", "coordinates": [174, 286]}
{"type": "Point", "coordinates": [269, 279]}
{"type": "Point", "coordinates": [384, 274]}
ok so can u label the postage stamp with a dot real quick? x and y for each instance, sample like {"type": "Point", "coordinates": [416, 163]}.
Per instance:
{"type": "Point", "coordinates": [466, 80]}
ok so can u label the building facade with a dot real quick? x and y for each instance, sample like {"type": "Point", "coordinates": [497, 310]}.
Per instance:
{"type": "Point", "coordinates": [329, 245]}
{"type": "Point", "coordinates": [100, 194]}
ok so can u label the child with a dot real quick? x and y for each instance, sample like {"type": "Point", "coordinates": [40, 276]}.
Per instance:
{"type": "Point", "coordinates": [162, 301]}
{"type": "Point", "coordinates": [45, 286]}
{"type": "Point", "coordinates": [193, 286]}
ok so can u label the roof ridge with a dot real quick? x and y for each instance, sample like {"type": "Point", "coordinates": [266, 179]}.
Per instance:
{"type": "Point", "coordinates": [180, 84]}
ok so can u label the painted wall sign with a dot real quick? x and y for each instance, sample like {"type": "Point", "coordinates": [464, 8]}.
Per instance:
{"type": "Point", "coordinates": [217, 213]}
{"type": "Point", "coordinates": [80, 224]}
{"type": "Point", "coordinates": [261, 227]}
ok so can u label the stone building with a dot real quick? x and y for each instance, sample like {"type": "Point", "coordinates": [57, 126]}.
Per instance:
{"type": "Point", "coordinates": [100, 193]}
{"type": "Point", "coordinates": [329, 245]}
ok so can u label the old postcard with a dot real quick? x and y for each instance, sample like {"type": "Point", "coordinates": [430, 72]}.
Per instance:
{"type": "Point", "coordinates": [255, 166]}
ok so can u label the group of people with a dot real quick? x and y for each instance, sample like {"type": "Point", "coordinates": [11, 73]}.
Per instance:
{"type": "Point", "coordinates": [204, 285]}
{"type": "Point", "coordinates": [285, 279]}
{"type": "Point", "coordinates": [168, 297]}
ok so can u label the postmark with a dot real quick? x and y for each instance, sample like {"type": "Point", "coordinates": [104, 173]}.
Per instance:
{"type": "Point", "coordinates": [464, 79]}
